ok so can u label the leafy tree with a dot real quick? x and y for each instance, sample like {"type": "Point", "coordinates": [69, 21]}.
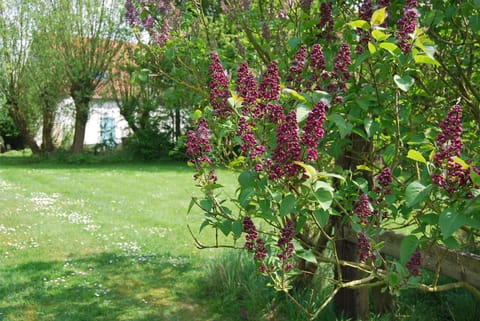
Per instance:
{"type": "Point", "coordinates": [343, 154]}
{"type": "Point", "coordinates": [88, 42]}
{"type": "Point", "coordinates": [16, 26]}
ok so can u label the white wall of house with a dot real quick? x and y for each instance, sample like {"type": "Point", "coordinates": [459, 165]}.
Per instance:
{"type": "Point", "coordinates": [102, 112]}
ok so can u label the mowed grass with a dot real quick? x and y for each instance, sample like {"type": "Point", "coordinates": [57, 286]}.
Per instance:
{"type": "Point", "coordinates": [100, 242]}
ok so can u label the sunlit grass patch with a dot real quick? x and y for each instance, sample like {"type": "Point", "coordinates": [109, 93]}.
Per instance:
{"type": "Point", "coordinates": [99, 242]}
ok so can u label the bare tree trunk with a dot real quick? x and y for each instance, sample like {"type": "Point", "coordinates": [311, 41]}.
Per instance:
{"type": "Point", "coordinates": [348, 302]}
{"type": "Point", "coordinates": [47, 130]}
{"type": "Point", "coordinates": [178, 124]}
{"type": "Point", "coordinates": [81, 118]}
{"type": "Point", "coordinates": [18, 117]}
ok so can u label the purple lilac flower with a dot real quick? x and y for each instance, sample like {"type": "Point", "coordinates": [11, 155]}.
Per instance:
{"type": "Point", "coordinates": [451, 176]}
{"type": "Point", "coordinates": [246, 85]}
{"type": "Point", "coordinates": [275, 113]}
{"type": "Point", "coordinates": [286, 245]}
{"type": "Point", "coordinates": [326, 21]}
{"type": "Point", "coordinates": [306, 5]}
{"type": "Point", "coordinates": [266, 34]}
{"type": "Point", "coordinates": [365, 12]}
{"type": "Point", "coordinates": [340, 73]}
{"type": "Point", "coordinates": [254, 243]}
{"type": "Point", "coordinates": [313, 130]}
{"type": "Point", "coordinates": [316, 68]}
{"type": "Point", "coordinates": [296, 68]}
{"type": "Point", "coordinates": [131, 13]}
{"type": "Point", "coordinates": [251, 231]}
{"type": "Point", "coordinates": [219, 93]}
{"type": "Point", "coordinates": [198, 144]}
{"type": "Point", "coordinates": [364, 248]}
{"type": "Point", "coordinates": [246, 4]}
{"type": "Point", "coordinates": [414, 263]}
{"type": "Point", "coordinates": [362, 208]}
{"type": "Point", "coordinates": [406, 26]}
{"type": "Point", "coordinates": [385, 177]}
{"type": "Point", "coordinates": [269, 88]}
{"type": "Point", "coordinates": [287, 150]}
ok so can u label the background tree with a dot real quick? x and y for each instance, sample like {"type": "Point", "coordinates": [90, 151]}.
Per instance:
{"type": "Point", "coordinates": [16, 27]}
{"type": "Point", "coordinates": [88, 42]}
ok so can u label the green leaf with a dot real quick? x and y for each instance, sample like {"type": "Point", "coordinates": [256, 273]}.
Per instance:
{"type": "Point", "coordinates": [475, 177]}
{"type": "Point", "coordinates": [389, 154]}
{"type": "Point", "coordinates": [244, 197]}
{"type": "Point", "coordinates": [225, 227]}
{"type": "Point", "coordinates": [309, 169]}
{"type": "Point", "coordinates": [362, 24]}
{"type": "Point", "coordinates": [371, 48]}
{"type": "Point", "coordinates": [404, 83]}
{"type": "Point", "coordinates": [237, 228]}
{"type": "Point", "coordinates": [474, 22]}
{"type": "Point", "coordinates": [343, 127]}
{"type": "Point", "coordinates": [246, 179]}
{"type": "Point", "coordinates": [416, 192]}
{"type": "Point", "coordinates": [460, 161]}
{"type": "Point", "coordinates": [302, 112]}
{"type": "Point", "coordinates": [450, 221]}
{"type": "Point", "coordinates": [451, 243]}
{"type": "Point", "coordinates": [379, 35]}
{"type": "Point", "coordinates": [364, 168]}
{"type": "Point", "coordinates": [288, 205]}
{"type": "Point", "coordinates": [390, 47]}
{"type": "Point", "coordinates": [408, 246]}
{"type": "Point", "coordinates": [237, 161]}
{"type": "Point", "coordinates": [424, 59]}
{"type": "Point", "coordinates": [197, 114]}
{"type": "Point", "coordinates": [307, 255]}
{"type": "Point", "coordinates": [293, 94]}
{"type": "Point", "coordinates": [206, 204]}
{"type": "Point", "coordinates": [322, 216]}
{"type": "Point", "coordinates": [324, 198]}
{"type": "Point", "coordinates": [416, 156]}
{"type": "Point", "coordinates": [378, 17]}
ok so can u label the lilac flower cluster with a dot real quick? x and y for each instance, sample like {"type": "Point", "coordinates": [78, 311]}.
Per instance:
{"type": "Point", "coordinates": [219, 92]}
{"type": "Point", "coordinates": [362, 208]}
{"type": "Point", "coordinates": [198, 144]}
{"type": "Point", "coordinates": [306, 5]}
{"type": "Point", "coordinates": [326, 21]}
{"type": "Point", "coordinates": [414, 263]}
{"type": "Point", "coordinates": [286, 245]}
{"type": "Point", "coordinates": [269, 88]}
{"type": "Point", "coordinates": [364, 248]}
{"type": "Point", "coordinates": [365, 12]}
{"type": "Point", "coordinates": [406, 26]}
{"type": "Point", "coordinates": [288, 149]}
{"type": "Point", "coordinates": [384, 179]}
{"type": "Point", "coordinates": [254, 243]}
{"type": "Point", "coordinates": [297, 65]}
{"type": "Point", "coordinates": [313, 130]}
{"type": "Point", "coordinates": [249, 142]}
{"type": "Point", "coordinates": [131, 14]}
{"type": "Point", "coordinates": [246, 86]}
{"type": "Point", "coordinates": [340, 68]}
{"type": "Point", "coordinates": [451, 176]}
{"type": "Point", "coordinates": [156, 13]}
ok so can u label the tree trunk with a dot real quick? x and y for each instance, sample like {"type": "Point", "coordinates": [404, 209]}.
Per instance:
{"type": "Point", "coordinates": [178, 124]}
{"type": "Point", "coordinates": [348, 302]}
{"type": "Point", "coordinates": [47, 140]}
{"type": "Point", "coordinates": [18, 117]}
{"type": "Point", "coordinates": [81, 118]}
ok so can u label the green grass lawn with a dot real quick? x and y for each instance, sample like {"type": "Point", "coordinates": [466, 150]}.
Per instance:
{"type": "Point", "coordinates": [99, 242]}
{"type": "Point", "coordinates": [110, 242]}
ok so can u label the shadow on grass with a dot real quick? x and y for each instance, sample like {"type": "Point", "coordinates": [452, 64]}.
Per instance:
{"type": "Point", "coordinates": [103, 287]}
